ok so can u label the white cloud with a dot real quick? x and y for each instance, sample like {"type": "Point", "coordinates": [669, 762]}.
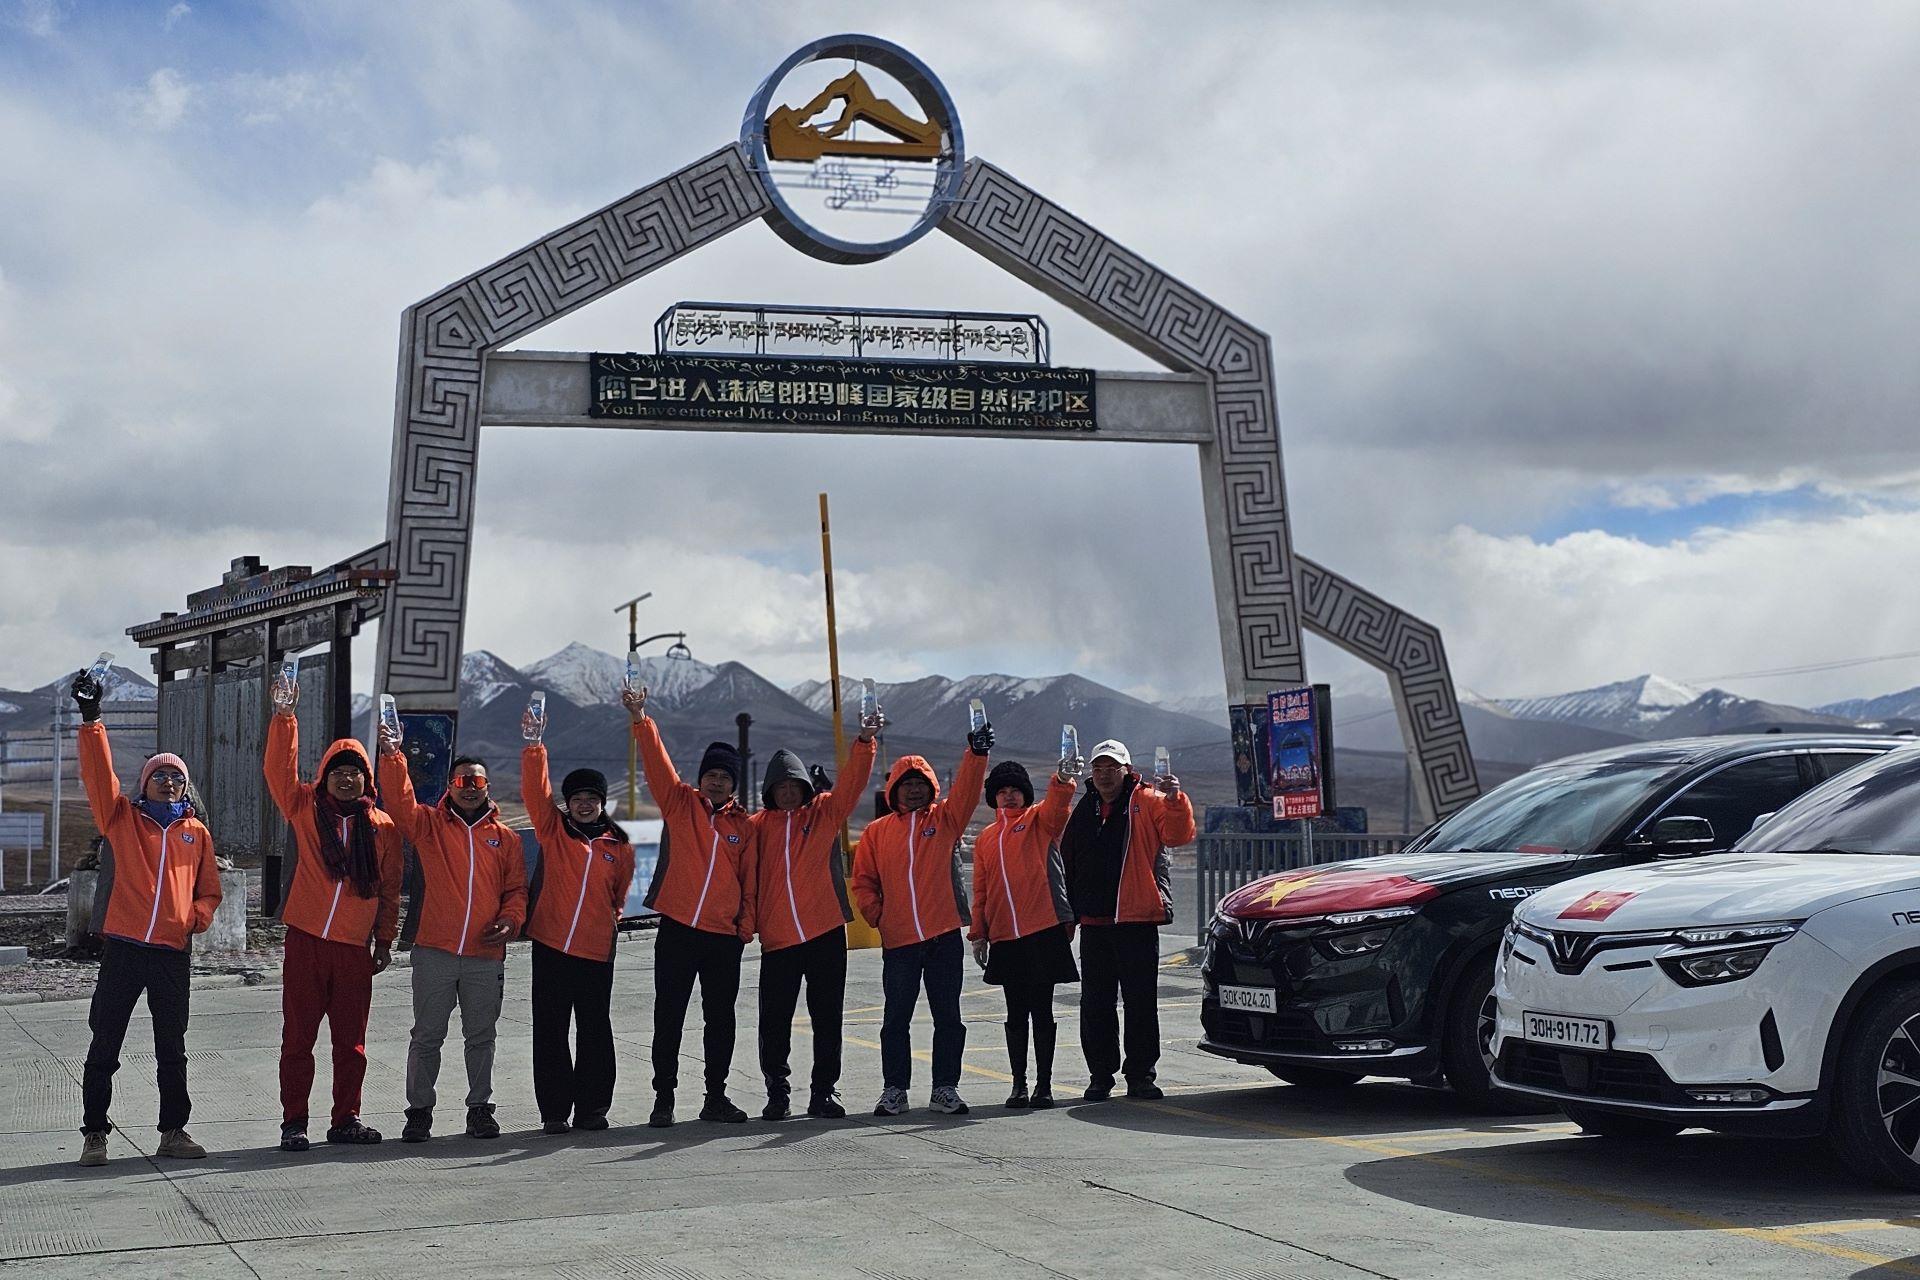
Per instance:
{"type": "Point", "coordinates": [164, 101]}
{"type": "Point", "coordinates": [175, 15]}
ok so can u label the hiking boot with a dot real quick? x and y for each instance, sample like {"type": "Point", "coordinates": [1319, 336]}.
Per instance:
{"type": "Point", "coordinates": [419, 1125]}
{"type": "Point", "coordinates": [1018, 1098]}
{"type": "Point", "coordinates": [779, 1107]}
{"type": "Point", "coordinates": [720, 1108]}
{"type": "Point", "coordinates": [1042, 1098]}
{"type": "Point", "coordinates": [353, 1134]}
{"type": "Point", "coordinates": [592, 1121]}
{"type": "Point", "coordinates": [1099, 1089]}
{"type": "Point", "coordinates": [480, 1122]}
{"type": "Point", "coordinates": [293, 1137]}
{"type": "Point", "coordinates": [946, 1100]}
{"type": "Point", "coordinates": [93, 1151]}
{"type": "Point", "coordinates": [179, 1144]}
{"type": "Point", "coordinates": [662, 1117]}
{"type": "Point", "coordinates": [1145, 1089]}
{"type": "Point", "coordinates": [825, 1106]}
{"type": "Point", "coordinates": [893, 1102]}
{"type": "Point", "coordinates": [555, 1127]}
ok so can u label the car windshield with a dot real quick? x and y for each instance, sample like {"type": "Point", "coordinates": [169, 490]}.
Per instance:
{"type": "Point", "coordinates": [1871, 808]}
{"type": "Point", "coordinates": [1560, 809]}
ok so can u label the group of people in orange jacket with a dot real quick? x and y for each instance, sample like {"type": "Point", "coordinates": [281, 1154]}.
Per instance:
{"type": "Point", "coordinates": [1041, 873]}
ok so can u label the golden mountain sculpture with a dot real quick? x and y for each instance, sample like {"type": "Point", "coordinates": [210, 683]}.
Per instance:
{"type": "Point", "coordinates": [791, 137]}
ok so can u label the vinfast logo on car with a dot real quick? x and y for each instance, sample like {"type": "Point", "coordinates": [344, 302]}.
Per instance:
{"type": "Point", "coordinates": [1315, 892]}
{"type": "Point", "coordinates": [1597, 905]}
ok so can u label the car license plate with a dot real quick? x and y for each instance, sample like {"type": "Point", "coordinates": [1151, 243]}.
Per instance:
{"type": "Point", "coordinates": [1251, 999]}
{"type": "Point", "coordinates": [1574, 1033]}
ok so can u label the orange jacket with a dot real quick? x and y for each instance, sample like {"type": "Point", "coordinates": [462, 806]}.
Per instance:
{"type": "Point", "coordinates": [708, 873]}
{"type": "Point", "coordinates": [164, 884]}
{"type": "Point", "coordinates": [316, 903]}
{"type": "Point", "coordinates": [1117, 862]}
{"type": "Point", "coordinates": [906, 870]}
{"type": "Point", "coordinates": [802, 892]}
{"type": "Point", "coordinates": [1019, 885]}
{"type": "Point", "coordinates": [470, 876]}
{"type": "Point", "coordinates": [582, 885]}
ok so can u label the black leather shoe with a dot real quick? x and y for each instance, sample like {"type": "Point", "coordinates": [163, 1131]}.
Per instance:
{"type": "Point", "coordinates": [555, 1127]}
{"type": "Point", "coordinates": [662, 1117]}
{"type": "Point", "coordinates": [593, 1123]}
{"type": "Point", "coordinates": [1145, 1089]}
{"type": "Point", "coordinates": [778, 1108]}
{"type": "Point", "coordinates": [1099, 1090]}
{"type": "Point", "coordinates": [1019, 1098]}
{"type": "Point", "coordinates": [1042, 1097]}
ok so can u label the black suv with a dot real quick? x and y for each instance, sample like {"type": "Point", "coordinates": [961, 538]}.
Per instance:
{"type": "Point", "coordinates": [1384, 966]}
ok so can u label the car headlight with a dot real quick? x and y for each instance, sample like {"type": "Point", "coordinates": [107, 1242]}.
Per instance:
{"type": "Point", "coordinates": [1362, 931]}
{"type": "Point", "coordinates": [1727, 954]}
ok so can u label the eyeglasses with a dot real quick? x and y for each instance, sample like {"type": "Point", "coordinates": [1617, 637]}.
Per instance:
{"type": "Point", "coordinates": [470, 782]}
{"type": "Point", "coordinates": [345, 771]}
{"type": "Point", "coordinates": [168, 777]}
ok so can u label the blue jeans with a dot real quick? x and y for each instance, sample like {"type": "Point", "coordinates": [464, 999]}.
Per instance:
{"type": "Point", "coordinates": [936, 963]}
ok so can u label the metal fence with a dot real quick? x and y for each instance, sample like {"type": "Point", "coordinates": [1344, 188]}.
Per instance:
{"type": "Point", "coordinates": [1224, 862]}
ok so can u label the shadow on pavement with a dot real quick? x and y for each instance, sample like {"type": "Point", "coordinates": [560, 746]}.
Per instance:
{"type": "Point", "coordinates": [1697, 1181]}
{"type": "Point", "coordinates": [1280, 1112]}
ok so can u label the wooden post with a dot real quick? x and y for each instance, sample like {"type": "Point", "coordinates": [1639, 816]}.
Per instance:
{"type": "Point", "coordinates": [860, 933]}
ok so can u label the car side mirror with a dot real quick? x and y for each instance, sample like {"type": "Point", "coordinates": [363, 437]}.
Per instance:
{"type": "Point", "coordinates": [1679, 837]}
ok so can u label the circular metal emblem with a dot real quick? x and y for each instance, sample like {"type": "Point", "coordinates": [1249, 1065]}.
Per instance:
{"type": "Point", "coordinates": [846, 157]}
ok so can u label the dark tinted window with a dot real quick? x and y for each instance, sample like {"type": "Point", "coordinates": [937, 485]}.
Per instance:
{"type": "Point", "coordinates": [1732, 798]}
{"type": "Point", "coordinates": [1834, 762]}
{"type": "Point", "coordinates": [1552, 809]}
{"type": "Point", "coordinates": [1872, 809]}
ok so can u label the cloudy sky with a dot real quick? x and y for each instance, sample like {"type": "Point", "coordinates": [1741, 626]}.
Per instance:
{"type": "Point", "coordinates": [1592, 322]}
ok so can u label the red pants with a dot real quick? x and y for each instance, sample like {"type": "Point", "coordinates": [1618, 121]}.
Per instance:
{"type": "Point", "coordinates": [320, 979]}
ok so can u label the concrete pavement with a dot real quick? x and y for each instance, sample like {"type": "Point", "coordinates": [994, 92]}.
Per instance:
{"type": "Point", "coordinates": [1232, 1176]}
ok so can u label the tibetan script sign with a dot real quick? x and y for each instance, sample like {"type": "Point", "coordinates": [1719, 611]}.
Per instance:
{"type": "Point", "coordinates": [853, 393]}
{"type": "Point", "coordinates": [701, 328]}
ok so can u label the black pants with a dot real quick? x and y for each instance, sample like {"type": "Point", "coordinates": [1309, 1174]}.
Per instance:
{"type": "Point", "coordinates": [127, 970]}
{"type": "Point", "coordinates": [680, 955]}
{"type": "Point", "coordinates": [572, 1081]}
{"type": "Point", "coordinates": [1030, 1013]}
{"type": "Point", "coordinates": [822, 963]}
{"type": "Point", "coordinates": [1120, 960]}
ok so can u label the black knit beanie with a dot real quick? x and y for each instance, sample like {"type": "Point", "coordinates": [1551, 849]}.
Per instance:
{"type": "Point", "coordinates": [723, 756]}
{"type": "Point", "coordinates": [589, 780]}
{"type": "Point", "coordinates": [1009, 773]}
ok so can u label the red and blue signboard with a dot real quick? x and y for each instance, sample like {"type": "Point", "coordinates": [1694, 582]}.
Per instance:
{"type": "Point", "coordinates": [1293, 752]}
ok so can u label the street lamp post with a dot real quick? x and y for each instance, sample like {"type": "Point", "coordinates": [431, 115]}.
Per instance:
{"type": "Point", "coordinates": [632, 608]}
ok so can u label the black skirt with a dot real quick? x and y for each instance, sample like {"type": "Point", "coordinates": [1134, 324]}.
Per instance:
{"type": "Point", "coordinates": [1039, 958]}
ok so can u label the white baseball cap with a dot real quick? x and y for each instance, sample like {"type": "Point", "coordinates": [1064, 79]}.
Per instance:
{"type": "Point", "coordinates": [1112, 747]}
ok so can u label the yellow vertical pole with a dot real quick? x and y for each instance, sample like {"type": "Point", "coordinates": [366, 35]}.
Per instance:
{"type": "Point", "coordinates": [859, 933]}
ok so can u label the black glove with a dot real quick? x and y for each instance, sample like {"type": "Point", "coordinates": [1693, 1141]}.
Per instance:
{"type": "Point", "coordinates": [817, 776]}
{"type": "Point", "coordinates": [87, 694]}
{"type": "Point", "coordinates": [980, 741]}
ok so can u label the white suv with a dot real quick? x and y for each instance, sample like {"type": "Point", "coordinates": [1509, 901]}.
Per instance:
{"type": "Point", "coordinates": [1771, 989]}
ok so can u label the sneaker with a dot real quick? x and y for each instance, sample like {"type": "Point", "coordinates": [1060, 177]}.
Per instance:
{"type": "Point", "coordinates": [720, 1109]}
{"type": "Point", "coordinates": [1145, 1089]}
{"type": "Point", "coordinates": [1042, 1097]}
{"type": "Point", "coordinates": [893, 1102]}
{"type": "Point", "coordinates": [353, 1134]}
{"type": "Point", "coordinates": [778, 1107]}
{"type": "Point", "coordinates": [1099, 1089]}
{"type": "Point", "coordinates": [480, 1122]}
{"type": "Point", "coordinates": [595, 1121]}
{"type": "Point", "coordinates": [662, 1117]}
{"type": "Point", "coordinates": [293, 1137]}
{"type": "Point", "coordinates": [1019, 1098]}
{"type": "Point", "coordinates": [419, 1125]}
{"type": "Point", "coordinates": [946, 1099]}
{"type": "Point", "coordinates": [826, 1106]}
{"type": "Point", "coordinates": [93, 1151]}
{"type": "Point", "coordinates": [555, 1127]}
{"type": "Point", "coordinates": [179, 1144]}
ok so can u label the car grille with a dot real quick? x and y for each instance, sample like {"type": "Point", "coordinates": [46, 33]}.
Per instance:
{"type": "Point", "coordinates": [1624, 1077]}
{"type": "Point", "coordinates": [1284, 1032]}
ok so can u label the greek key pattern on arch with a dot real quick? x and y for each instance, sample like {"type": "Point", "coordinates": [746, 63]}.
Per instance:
{"type": "Point", "coordinates": [1411, 654]}
{"type": "Point", "coordinates": [445, 341]}
{"type": "Point", "coordinates": [1069, 260]}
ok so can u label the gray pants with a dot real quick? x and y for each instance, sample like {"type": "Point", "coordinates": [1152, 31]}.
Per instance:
{"type": "Point", "coordinates": [440, 979]}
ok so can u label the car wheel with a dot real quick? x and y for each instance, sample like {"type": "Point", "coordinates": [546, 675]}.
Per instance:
{"type": "Point", "coordinates": [1876, 1112]}
{"type": "Point", "coordinates": [1315, 1077]}
{"type": "Point", "coordinates": [1611, 1124]}
{"type": "Point", "coordinates": [1466, 1051]}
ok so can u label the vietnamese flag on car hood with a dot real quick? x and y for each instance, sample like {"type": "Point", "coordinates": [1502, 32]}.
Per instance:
{"type": "Point", "coordinates": [1597, 905]}
{"type": "Point", "coordinates": [1318, 892]}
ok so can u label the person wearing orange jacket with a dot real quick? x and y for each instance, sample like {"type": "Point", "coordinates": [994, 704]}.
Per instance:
{"type": "Point", "coordinates": [160, 886]}
{"type": "Point", "coordinates": [1120, 886]}
{"type": "Point", "coordinates": [342, 912]}
{"type": "Point", "coordinates": [1022, 929]}
{"type": "Point", "coordinates": [906, 878]}
{"type": "Point", "coordinates": [469, 895]}
{"type": "Point", "coordinates": [703, 887]}
{"type": "Point", "coordinates": [579, 892]}
{"type": "Point", "coordinates": [803, 915]}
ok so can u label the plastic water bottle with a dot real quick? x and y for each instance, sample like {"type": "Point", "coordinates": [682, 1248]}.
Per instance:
{"type": "Point", "coordinates": [869, 702]}
{"type": "Point", "coordinates": [289, 673]}
{"type": "Point", "coordinates": [390, 714]}
{"type": "Point", "coordinates": [1162, 763]}
{"type": "Point", "coordinates": [976, 715]}
{"type": "Point", "coordinates": [537, 709]}
{"type": "Point", "coordinates": [98, 671]}
{"type": "Point", "coordinates": [1069, 742]}
{"type": "Point", "coordinates": [633, 678]}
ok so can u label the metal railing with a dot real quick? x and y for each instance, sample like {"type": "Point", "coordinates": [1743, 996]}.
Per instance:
{"type": "Point", "coordinates": [1223, 862]}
